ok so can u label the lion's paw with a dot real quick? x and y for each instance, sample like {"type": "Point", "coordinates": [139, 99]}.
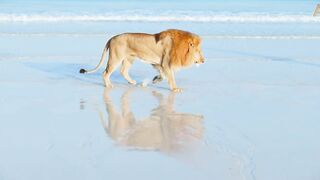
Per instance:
{"type": "Point", "coordinates": [157, 79]}
{"type": "Point", "coordinates": [177, 90]}
{"type": "Point", "coordinates": [133, 82]}
{"type": "Point", "coordinates": [108, 85]}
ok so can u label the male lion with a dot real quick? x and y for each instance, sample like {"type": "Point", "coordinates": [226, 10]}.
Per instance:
{"type": "Point", "coordinates": [166, 51]}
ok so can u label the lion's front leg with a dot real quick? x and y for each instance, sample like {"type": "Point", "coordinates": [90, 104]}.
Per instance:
{"type": "Point", "coordinates": [161, 76]}
{"type": "Point", "coordinates": [169, 73]}
{"type": "Point", "coordinates": [171, 80]}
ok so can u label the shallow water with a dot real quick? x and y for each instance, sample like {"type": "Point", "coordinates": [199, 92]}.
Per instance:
{"type": "Point", "coordinates": [250, 112]}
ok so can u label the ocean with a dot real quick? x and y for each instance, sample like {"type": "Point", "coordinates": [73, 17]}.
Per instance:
{"type": "Point", "coordinates": [158, 11]}
{"type": "Point", "coordinates": [220, 18]}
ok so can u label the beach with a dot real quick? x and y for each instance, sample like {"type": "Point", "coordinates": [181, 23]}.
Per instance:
{"type": "Point", "coordinates": [249, 112]}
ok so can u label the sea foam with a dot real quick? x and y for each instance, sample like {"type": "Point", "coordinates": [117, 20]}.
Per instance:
{"type": "Point", "coordinates": [219, 18]}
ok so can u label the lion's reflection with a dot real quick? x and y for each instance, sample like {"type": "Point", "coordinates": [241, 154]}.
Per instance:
{"type": "Point", "coordinates": [164, 130]}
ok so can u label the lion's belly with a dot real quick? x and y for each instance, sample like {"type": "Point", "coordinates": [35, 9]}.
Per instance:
{"type": "Point", "coordinates": [147, 54]}
{"type": "Point", "coordinates": [152, 59]}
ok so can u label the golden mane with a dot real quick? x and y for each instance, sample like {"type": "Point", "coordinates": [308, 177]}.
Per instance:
{"type": "Point", "coordinates": [179, 54]}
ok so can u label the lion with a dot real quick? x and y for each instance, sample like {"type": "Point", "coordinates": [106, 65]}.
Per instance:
{"type": "Point", "coordinates": [166, 51]}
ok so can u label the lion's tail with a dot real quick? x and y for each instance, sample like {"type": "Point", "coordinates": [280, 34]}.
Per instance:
{"type": "Point", "coordinates": [101, 61]}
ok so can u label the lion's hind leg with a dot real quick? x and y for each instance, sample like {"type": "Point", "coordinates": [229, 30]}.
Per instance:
{"type": "Point", "coordinates": [126, 64]}
{"type": "Point", "coordinates": [111, 67]}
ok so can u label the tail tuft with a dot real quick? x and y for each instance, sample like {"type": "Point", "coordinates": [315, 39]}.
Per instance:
{"type": "Point", "coordinates": [82, 71]}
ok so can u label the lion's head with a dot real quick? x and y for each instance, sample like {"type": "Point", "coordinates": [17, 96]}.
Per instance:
{"type": "Point", "coordinates": [186, 48]}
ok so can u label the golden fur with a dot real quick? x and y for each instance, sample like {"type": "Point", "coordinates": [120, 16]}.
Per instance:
{"type": "Point", "coordinates": [167, 51]}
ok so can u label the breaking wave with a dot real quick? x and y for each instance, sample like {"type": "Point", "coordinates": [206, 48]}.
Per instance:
{"type": "Point", "coordinates": [233, 18]}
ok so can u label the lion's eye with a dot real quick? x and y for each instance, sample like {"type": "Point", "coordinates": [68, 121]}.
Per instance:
{"type": "Point", "coordinates": [191, 44]}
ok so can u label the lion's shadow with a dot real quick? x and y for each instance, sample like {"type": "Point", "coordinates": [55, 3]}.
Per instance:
{"type": "Point", "coordinates": [62, 71]}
